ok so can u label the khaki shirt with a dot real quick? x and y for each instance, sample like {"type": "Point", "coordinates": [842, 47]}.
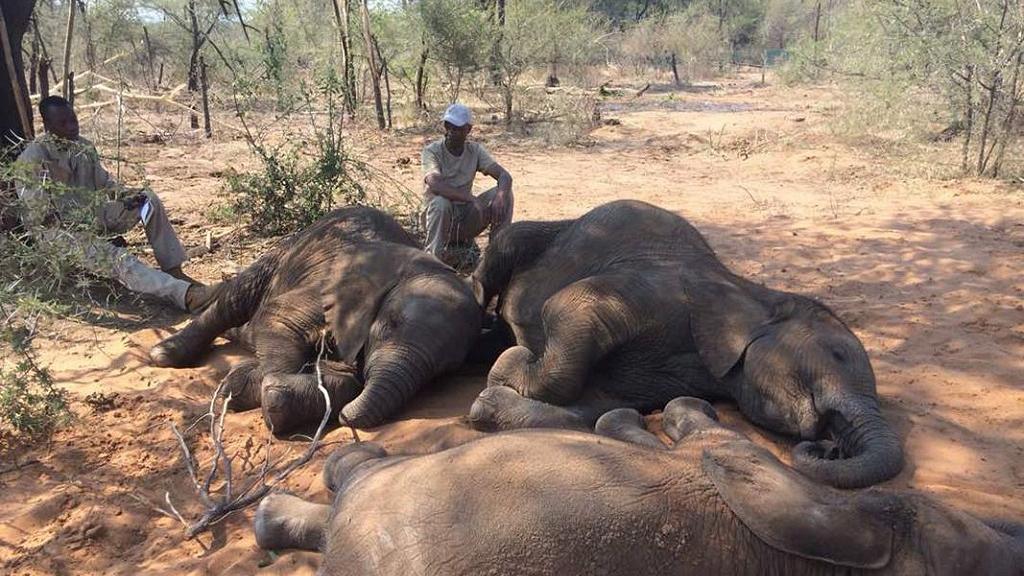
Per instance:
{"type": "Point", "coordinates": [62, 180]}
{"type": "Point", "coordinates": [456, 171]}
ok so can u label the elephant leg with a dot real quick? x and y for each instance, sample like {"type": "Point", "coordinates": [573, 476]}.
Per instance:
{"type": "Point", "coordinates": [243, 384]}
{"type": "Point", "coordinates": [343, 462]}
{"type": "Point", "coordinates": [502, 408]}
{"type": "Point", "coordinates": [627, 424]}
{"type": "Point", "coordinates": [235, 304]}
{"type": "Point", "coordinates": [292, 401]}
{"type": "Point", "coordinates": [514, 246]}
{"type": "Point", "coordinates": [287, 521]}
{"type": "Point", "coordinates": [582, 323]}
{"type": "Point", "coordinates": [685, 415]}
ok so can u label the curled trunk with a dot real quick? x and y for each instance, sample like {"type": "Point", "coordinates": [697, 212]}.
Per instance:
{"type": "Point", "coordinates": [392, 376]}
{"type": "Point", "coordinates": [869, 451]}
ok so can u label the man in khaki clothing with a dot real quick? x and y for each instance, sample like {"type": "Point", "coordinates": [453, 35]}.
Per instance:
{"type": "Point", "coordinates": [451, 213]}
{"type": "Point", "coordinates": [66, 196]}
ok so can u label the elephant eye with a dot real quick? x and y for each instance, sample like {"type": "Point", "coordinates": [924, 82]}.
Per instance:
{"type": "Point", "coordinates": [839, 356]}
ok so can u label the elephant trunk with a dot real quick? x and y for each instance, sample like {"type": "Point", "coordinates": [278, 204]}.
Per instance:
{"type": "Point", "coordinates": [868, 450]}
{"type": "Point", "coordinates": [393, 374]}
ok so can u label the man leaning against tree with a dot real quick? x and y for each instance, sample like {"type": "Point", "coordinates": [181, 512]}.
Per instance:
{"type": "Point", "coordinates": [452, 214]}
{"type": "Point", "coordinates": [71, 203]}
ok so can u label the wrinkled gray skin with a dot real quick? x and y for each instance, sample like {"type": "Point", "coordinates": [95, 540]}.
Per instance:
{"type": "Point", "coordinates": [628, 306]}
{"type": "Point", "coordinates": [395, 317]}
{"type": "Point", "coordinates": [568, 503]}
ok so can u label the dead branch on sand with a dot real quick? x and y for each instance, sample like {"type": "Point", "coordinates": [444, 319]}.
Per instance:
{"type": "Point", "coordinates": [219, 504]}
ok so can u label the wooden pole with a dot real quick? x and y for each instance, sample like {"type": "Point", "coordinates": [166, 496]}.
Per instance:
{"type": "Point", "coordinates": [12, 73]}
{"type": "Point", "coordinates": [374, 67]}
{"type": "Point", "coordinates": [68, 36]}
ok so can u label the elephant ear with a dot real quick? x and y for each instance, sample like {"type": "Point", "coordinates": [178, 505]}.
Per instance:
{"type": "Point", "coordinates": [351, 303]}
{"type": "Point", "coordinates": [724, 320]}
{"type": "Point", "coordinates": [794, 515]}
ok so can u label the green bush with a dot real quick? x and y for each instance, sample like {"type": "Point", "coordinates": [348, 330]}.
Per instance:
{"type": "Point", "coordinates": [289, 191]}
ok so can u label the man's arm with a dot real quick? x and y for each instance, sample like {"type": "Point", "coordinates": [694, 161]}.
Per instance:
{"type": "Point", "coordinates": [503, 199]}
{"type": "Point", "coordinates": [436, 185]}
{"type": "Point", "coordinates": [30, 177]}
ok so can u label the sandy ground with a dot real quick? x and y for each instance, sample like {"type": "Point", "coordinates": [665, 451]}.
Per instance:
{"type": "Point", "coordinates": [927, 272]}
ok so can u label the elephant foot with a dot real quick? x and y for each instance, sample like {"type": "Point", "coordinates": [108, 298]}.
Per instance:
{"type": "Point", "coordinates": [291, 401]}
{"type": "Point", "coordinates": [287, 521]}
{"type": "Point", "coordinates": [685, 415]}
{"type": "Point", "coordinates": [502, 408]}
{"type": "Point", "coordinates": [627, 424]}
{"type": "Point", "coordinates": [243, 384]}
{"type": "Point", "coordinates": [342, 462]}
{"type": "Point", "coordinates": [173, 352]}
{"type": "Point", "coordinates": [510, 369]}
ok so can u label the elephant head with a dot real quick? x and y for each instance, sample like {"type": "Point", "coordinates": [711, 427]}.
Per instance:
{"type": "Point", "coordinates": [407, 327]}
{"type": "Point", "coordinates": [793, 367]}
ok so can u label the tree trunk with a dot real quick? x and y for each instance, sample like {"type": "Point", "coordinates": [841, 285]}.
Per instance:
{"type": "Point", "coordinates": [387, 80]}
{"type": "Point", "coordinates": [552, 80]}
{"type": "Point", "coordinates": [193, 65]}
{"type": "Point", "coordinates": [68, 36]}
{"type": "Point", "coordinates": [675, 71]}
{"type": "Point", "coordinates": [33, 64]}
{"type": "Point", "coordinates": [148, 45]}
{"type": "Point", "coordinates": [348, 82]}
{"type": "Point", "coordinates": [204, 87]}
{"type": "Point", "coordinates": [421, 78]}
{"type": "Point", "coordinates": [1011, 115]}
{"type": "Point", "coordinates": [374, 67]}
{"type": "Point", "coordinates": [44, 77]}
{"type": "Point", "coordinates": [90, 45]}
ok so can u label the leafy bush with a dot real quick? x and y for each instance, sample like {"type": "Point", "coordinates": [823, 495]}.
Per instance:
{"type": "Point", "coordinates": [33, 274]}
{"type": "Point", "coordinates": [289, 192]}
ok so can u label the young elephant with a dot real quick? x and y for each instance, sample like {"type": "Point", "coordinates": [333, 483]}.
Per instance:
{"type": "Point", "coordinates": [389, 317]}
{"type": "Point", "coordinates": [566, 502]}
{"type": "Point", "coordinates": [628, 306]}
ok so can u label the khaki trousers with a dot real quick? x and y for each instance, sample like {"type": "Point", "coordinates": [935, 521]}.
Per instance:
{"type": "Point", "coordinates": [98, 256]}
{"type": "Point", "coordinates": [447, 222]}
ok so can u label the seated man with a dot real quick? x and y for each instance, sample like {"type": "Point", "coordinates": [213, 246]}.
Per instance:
{"type": "Point", "coordinates": [452, 214]}
{"type": "Point", "coordinates": [67, 193]}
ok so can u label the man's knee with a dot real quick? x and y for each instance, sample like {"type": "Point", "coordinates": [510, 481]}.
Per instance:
{"type": "Point", "coordinates": [439, 205]}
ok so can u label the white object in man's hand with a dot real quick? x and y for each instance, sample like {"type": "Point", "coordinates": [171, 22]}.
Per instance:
{"type": "Point", "coordinates": [146, 212]}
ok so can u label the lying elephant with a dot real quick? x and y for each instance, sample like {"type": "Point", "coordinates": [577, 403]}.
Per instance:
{"type": "Point", "coordinates": [628, 306]}
{"type": "Point", "coordinates": [566, 502]}
{"type": "Point", "coordinates": [395, 317]}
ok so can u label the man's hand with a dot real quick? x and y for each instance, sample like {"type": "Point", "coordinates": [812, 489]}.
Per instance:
{"type": "Point", "coordinates": [134, 201]}
{"type": "Point", "coordinates": [486, 210]}
{"type": "Point", "coordinates": [497, 208]}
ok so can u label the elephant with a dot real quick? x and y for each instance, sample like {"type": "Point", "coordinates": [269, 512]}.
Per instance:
{"type": "Point", "coordinates": [354, 290]}
{"type": "Point", "coordinates": [570, 502]}
{"type": "Point", "coordinates": [628, 306]}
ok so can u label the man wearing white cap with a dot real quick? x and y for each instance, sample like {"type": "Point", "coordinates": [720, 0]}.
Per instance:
{"type": "Point", "coordinates": [452, 214]}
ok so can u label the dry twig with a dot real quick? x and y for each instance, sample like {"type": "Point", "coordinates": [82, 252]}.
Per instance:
{"type": "Point", "coordinates": [270, 475]}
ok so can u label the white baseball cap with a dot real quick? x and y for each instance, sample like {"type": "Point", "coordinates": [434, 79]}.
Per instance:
{"type": "Point", "coordinates": [458, 115]}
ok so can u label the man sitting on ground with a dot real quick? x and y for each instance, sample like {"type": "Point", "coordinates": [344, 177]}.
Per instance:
{"type": "Point", "coordinates": [67, 193]}
{"type": "Point", "coordinates": [452, 214]}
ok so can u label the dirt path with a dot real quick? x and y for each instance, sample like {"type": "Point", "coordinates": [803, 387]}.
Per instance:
{"type": "Point", "coordinates": [926, 272]}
